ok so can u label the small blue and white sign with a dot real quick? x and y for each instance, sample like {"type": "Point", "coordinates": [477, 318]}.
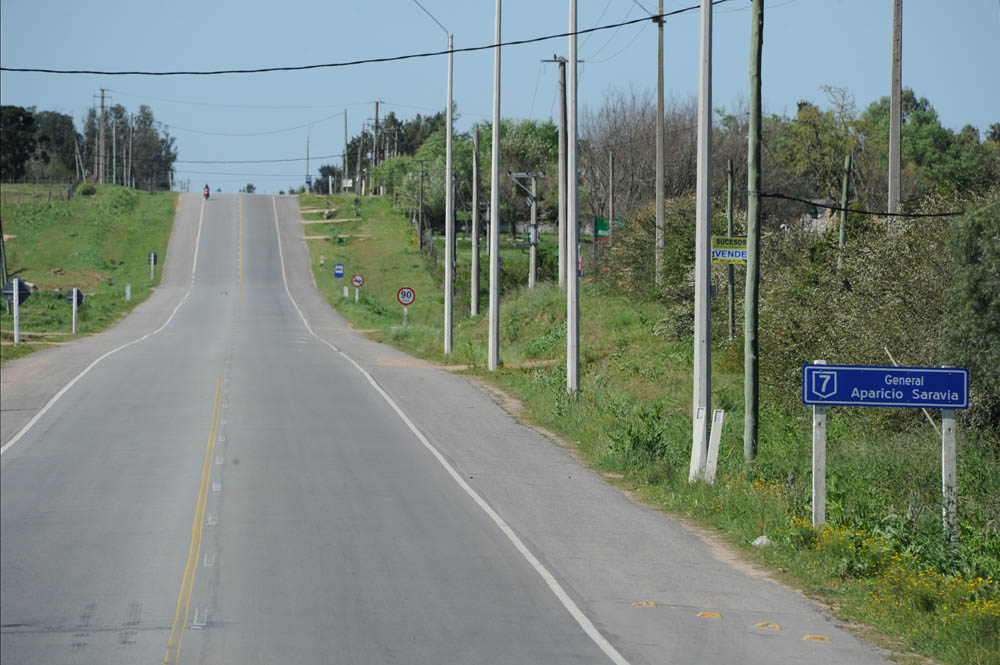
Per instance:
{"type": "Point", "coordinates": [861, 385]}
{"type": "Point", "coordinates": [338, 270]}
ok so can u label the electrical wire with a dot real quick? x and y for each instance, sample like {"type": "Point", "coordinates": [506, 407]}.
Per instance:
{"type": "Point", "coordinates": [864, 212]}
{"type": "Point", "coordinates": [349, 63]}
{"type": "Point", "coordinates": [275, 131]}
{"type": "Point", "coordinates": [262, 107]}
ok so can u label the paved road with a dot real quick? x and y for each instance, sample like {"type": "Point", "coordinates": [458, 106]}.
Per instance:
{"type": "Point", "coordinates": [256, 483]}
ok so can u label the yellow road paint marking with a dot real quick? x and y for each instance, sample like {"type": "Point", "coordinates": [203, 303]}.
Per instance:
{"type": "Point", "coordinates": [194, 550]}
{"type": "Point", "coordinates": [710, 615]}
{"type": "Point", "coordinates": [767, 625]}
{"type": "Point", "coordinates": [816, 638]}
{"type": "Point", "coordinates": [644, 603]}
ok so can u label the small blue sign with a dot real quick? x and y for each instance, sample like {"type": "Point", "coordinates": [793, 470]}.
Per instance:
{"type": "Point", "coordinates": [860, 385]}
{"type": "Point", "coordinates": [338, 270]}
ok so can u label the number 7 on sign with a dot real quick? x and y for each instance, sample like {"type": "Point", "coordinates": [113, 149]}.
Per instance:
{"type": "Point", "coordinates": [824, 384]}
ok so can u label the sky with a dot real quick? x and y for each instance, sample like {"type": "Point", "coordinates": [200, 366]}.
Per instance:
{"type": "Point", "coordinates": [951, 56]}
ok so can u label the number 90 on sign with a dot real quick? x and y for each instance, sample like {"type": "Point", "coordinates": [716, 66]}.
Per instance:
{"type": "Point", "coordinates": [406, 296]}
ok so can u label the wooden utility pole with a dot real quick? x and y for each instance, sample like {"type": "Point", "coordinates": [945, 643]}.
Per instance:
{"type": "Point", "coordinates": [660, 215]}
{"type": "Point", "coordinates": [129, 178]}
{"type": "Point", "coordinates": [357, 167]}
{"type": "Point", "coordinates": [474, 276]}
{"type": "Point", "coordinates": [114, 152]}
{"type": "Point", "coordinates": [751, 362]}
{"type": "Point", "coordinates": [895, 105]}
{"type": "Point", "coordinates": [343, 169]}
{"type": "Point", "coordinates": [843, 211]}
{"type": "Point", "coordinates": [729, 233]}
{"type": "Point", "coordinates": [308, 187]}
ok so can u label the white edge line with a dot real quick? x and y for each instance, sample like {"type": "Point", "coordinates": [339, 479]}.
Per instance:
{"type": "Point", "coordinates": [585, 623]}
{"type": "Point", "coordinates": [48, 405]}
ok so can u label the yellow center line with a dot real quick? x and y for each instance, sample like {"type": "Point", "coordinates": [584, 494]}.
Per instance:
{"type": "Point", "coordinates": [187, 582]}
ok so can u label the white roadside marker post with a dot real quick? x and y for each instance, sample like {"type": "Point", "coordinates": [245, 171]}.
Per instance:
{"type": "Point", "coordinates": [949, 480]}
{"type": "Point", "coordinates": [713, 445]}
{"type": "Point", "coordinates": [74, 309]}
{"type": "Point", "coordinates": [16, 300]}
{"type": "Point", "coordinates": [819, 463]}
{"type": "Point", "coordinates": [698, 446]}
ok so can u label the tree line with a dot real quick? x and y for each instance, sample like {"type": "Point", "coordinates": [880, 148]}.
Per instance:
{"type": "Point", "coordinates": [138, 151]}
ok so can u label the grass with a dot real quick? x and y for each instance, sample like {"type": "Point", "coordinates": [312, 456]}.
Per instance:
{"type": "Point", "coordinates": [880, 561]}
{"type": "Point", "coordinates": [97, 243]}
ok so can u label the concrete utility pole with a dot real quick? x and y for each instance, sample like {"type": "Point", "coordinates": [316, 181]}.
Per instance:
{"type": "Point", "coordinates": [131, 123]}
{"type": "Point", "coordinates": [343, 168]}
{"type": "Point", "coordinates": [895, 105]}
{"type": "Point", "coordinates": [611, 195]}
{"type": "Point", "coordinates": [751, 354]}
{"type": "Point", "coordinates": [493, 351]}
{"type": "Point", "coordinates": [562, 167]}
{"type": "Point", "coordinates": [660, 215]}
{"type": "Point", "coordinates": [100, 173]}
{"type": "Point", "coordinates": [420, 205]}
{"type": "Point", "coordinates": [533, 234]}
{"type": "Point", "coordinates": [308, 186]}
{"type": "Point", "coordinates": [114, 153]}
{"type": "Point", "coordinates": [729, 233]}
{"type": "Point", "coordinates": [357, 166]}
{"type": "Point", "coordinates": [572, 222]}
{"type": "Point", "coordinates": [703, 232]}
{"type": "Point", "coordinates": [449, 215]}
{"type": "Point", "coordinates": [374, 161]}
{"type": "Point", "coordinates": [474, 276]}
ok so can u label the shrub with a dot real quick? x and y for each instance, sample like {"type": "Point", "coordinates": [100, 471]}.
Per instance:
{"type": "Point", "coordinates": [972, 333]}
{"type": "Point", "coordinates": [87, 189]}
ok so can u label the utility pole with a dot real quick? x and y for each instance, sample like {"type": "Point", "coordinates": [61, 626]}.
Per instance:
{"type": "Point", "coordinates": [420, 205]}
{"type": "Point", "coordinates": [79, 165]}
{"type": "Point", "coordinates": [562, 167]}
{"type": "Point", "coordinates": [114, 153]}
{"type": "Point", "coordinates": [375, 141]}
{"type": "Point", "coordinates": [751, 361]}
{"type": "Point", "coordinates": [702, 303]}
{"type": "Point", "coordinates": [449, 215]}
{"type": "Point", "coordinates": [343, 169]}
{"type": "Point", "coordinates": [357, 167]}
{"type": "Point", "coordinates": [729, 233]}
{"type": "Point", "coordinates": [131, 124]}
{"type": "Point", "coordinates": [895, 105]}
{"type": "Point", "coordinates": [100, 173]}
{"type": "Point", "coordinates": [844, 189]}
{"type": "Point", "coordinates": [572, 222]}
{"type": "Point", "coordinates": [611, 195]}
{"type": "Point", "coordinates": [308, 187]}
{"type": "Point", "coordinates": [474, 276]}
{"type": "Point", "coordinates": [660, 215]}
{"type": "Point", "coordinates": [493, 351]}
{"type": "Point", "coordinates": [533, 234]}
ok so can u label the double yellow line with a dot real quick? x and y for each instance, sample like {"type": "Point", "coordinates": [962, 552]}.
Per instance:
{"type": "Point", "coordinates": [194, 551]}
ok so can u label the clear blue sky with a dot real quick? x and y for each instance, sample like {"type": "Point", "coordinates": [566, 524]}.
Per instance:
{"type": "Point", "coordinates": [950, 55]}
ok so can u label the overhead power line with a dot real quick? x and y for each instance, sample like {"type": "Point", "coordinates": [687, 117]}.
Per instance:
{"type": "Point", "coordinates": [351, 63]}
{"type": "Point", "coordinates": [956, 213]}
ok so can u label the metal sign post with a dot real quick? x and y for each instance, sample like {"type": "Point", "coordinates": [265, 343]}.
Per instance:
{"type": "Point", "coordinates": [358, 281]}
{"type": "Point", "coordinates": [75, 298]}
{"type": "Point", "coordinates": [406, 296]}
{"type": "Point", "coordinates": [945, 388]}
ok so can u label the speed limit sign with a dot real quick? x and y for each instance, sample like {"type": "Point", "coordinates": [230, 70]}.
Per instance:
{"type": "Point", "coordinates": [358, 281]}
{"type": "Point", "coordinates": [406, 296]}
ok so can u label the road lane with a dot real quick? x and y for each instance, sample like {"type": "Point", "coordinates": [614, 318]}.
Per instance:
{"type": "Point", "coordinates": [328, 531]}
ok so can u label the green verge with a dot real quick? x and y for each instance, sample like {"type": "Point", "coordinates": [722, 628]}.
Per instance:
{"type": "Point", "coordinates": [880, 564]}
{"type": "Point", "coordinates": [97, 243]}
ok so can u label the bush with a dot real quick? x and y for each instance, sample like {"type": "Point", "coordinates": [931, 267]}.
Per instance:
{"type": "Point", "coordinates": [87, 189]}
{"type": "Point", "coordinates": [972, 333]}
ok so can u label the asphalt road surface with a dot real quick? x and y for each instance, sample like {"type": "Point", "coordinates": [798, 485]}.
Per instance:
{"type": "Point", "coordinates": [253, 482]}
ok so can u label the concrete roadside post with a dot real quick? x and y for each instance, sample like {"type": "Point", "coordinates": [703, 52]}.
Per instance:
{"type": "Point", "coordinates": [713, 446]}
{"type": "Point", "coordinates": [949, 479]}
{"type": "Point", "coordinates": [128, 293]}
{"type": "Point", "coordinates": [698, 446]}
{"type": "Point", "coordinates": [16, 301]}
{"type": "Point", "coordinates": [357, 281]}
{"type": "Point", "coordinates": [152, 266]}
{"type": "Point", "coordinates": [819, 462]}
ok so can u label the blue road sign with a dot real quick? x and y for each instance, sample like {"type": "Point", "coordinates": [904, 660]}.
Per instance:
{"type": "Point", "coordinates": [338, 270]}
{"type": "Point", "coordinates": [859, 385]}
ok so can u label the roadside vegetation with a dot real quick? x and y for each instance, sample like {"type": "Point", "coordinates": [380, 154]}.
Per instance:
{"type": "Point", "coordinates": [99, 241]}
{"type": "Point", "coordinates": [882, 561]}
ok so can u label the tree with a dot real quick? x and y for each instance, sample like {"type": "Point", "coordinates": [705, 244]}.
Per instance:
{"type": "Point", "coordinates": [250, 189]}
{"type": "Point", "coordinates": [19, 141]}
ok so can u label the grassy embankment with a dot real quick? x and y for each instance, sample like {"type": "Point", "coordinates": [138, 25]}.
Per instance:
{"type": "Point", "coordinates": [880, 562]}
{"type": "Point", "coordinates": [97, 243]}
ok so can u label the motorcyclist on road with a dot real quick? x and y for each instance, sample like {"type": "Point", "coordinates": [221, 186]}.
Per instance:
{"type": "Point", "coordinates": [206, 191]}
